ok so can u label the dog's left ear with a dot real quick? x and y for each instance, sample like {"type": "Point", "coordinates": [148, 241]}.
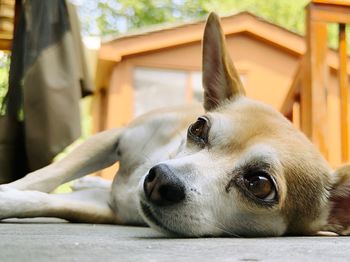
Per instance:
{"type": "Point", "coordinates": [220, 78]}
{"type": "Point", "coordinates": [339, 216]}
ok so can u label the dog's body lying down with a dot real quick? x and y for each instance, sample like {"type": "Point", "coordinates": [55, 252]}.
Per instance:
{"type": "Point", "coordinates": [240, 169]}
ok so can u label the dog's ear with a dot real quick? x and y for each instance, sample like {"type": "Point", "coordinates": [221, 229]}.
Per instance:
{"type": "Point", "coordinates": [339, 216]}
{"type": "Point", "coordinates": [220, 78]}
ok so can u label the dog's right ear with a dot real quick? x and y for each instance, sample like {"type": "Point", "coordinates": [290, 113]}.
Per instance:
{"type": "Point", "coordinates": [221, 81]}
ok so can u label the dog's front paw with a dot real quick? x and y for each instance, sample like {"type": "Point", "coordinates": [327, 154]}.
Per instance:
{"type": "Point", "coordinates": [4, 188]}
{"type": "Point", "coordinates": [11, 202]}
{"type": "Point", "coordinates": [21, 204]}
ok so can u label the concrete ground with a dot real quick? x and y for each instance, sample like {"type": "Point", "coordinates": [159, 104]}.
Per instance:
{"type": "Point", "coordinates": [51, 240]}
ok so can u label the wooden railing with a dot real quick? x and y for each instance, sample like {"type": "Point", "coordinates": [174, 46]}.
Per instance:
{"type": "Point", "coordinates": [306, 102]}
{"type": "Point", "coordinates": [9, 15]}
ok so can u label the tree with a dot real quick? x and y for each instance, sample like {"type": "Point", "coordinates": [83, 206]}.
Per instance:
{"type": "Point", "coordinates": [113, 17]}
{"type": "Point", "coordinates": [4, 70]}
{"type": "Point", "coordinates": [117, 16]}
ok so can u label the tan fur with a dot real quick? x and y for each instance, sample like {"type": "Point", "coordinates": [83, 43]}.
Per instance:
{"type": "Point", "coordinates": [304, 169]}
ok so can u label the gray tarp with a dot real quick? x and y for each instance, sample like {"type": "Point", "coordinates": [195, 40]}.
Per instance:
{"type": "Point", "coordinates": [47, 78]}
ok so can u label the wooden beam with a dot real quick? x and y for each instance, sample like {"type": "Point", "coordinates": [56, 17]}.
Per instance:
{"type": "Point", "coordinates": [5, 45]}
{"type": "Point", "coordinates": [7, 2]}
{"type": "Point", "coordinates": [296, 115]}
{"type": "Point", "coordinates": [190, 33]}
{"type": "Point", "coordinates": [344, 94]}
{"type": "Point", "coordinates": [313, 92]}
{"type": "Point", "coordinates": [330, 13]}
{"type": "Point", "coordinates": [294, 90]}
{"type": "Point", "coordinates": [332, 2]}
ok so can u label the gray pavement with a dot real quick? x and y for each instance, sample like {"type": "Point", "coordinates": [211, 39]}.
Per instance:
{"type": "Point", "coordinates": [52, 240]}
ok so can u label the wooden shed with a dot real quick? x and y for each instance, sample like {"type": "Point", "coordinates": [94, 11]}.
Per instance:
{"type": "Point", "coordinates": [161, 67]}
{"type": "Point", "coordinates": [141, 71]}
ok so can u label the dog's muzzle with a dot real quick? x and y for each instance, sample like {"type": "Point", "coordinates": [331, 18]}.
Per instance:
{"type": "Point", "coordinates": [162, 187]}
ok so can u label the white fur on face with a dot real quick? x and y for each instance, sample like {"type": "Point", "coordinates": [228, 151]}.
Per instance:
{"type": "Point", "coordinates": [142, 148]}
{"type": "Point", "coordinates": [208, 209]}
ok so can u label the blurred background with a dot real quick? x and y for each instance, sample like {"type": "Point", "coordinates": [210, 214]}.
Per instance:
{"type": "Point", "coordinates": [145, 54]}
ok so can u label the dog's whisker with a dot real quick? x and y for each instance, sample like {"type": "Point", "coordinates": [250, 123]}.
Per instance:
{"type": "Point", "coordinates": [220, 226]}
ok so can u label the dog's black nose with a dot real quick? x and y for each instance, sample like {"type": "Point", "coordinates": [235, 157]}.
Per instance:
{"type": "Point", "coordinates": [162, 187]}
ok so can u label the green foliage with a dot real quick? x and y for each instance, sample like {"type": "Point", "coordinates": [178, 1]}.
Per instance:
{"type": "Point", "coordinates": [105, 17]}
{"type": "Point", "coordinates": [289, 14]}
{"type": "Point", "coordinates": [116, 16]}
{"type": "Point", "coordinates": [4, 69]}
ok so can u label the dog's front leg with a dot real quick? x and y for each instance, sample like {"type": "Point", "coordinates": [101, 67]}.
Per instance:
{"type": "Point", "coordinates": [96, 153]}
{"type": "Point", "coordinates": [84, 206]}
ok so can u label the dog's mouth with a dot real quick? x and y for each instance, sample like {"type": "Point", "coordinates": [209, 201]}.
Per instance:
{"type": "Point", "coordinates": [152, 220]}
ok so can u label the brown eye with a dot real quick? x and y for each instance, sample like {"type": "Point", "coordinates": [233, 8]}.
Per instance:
{"type": "Point", "coordinates": [261, 186]}
{"type": "Point", "coordinates": [198, 132]}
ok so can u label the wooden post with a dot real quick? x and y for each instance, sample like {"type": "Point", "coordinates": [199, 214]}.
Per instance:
{"type": "Point", "coordinates": [313, 92]}
{"type": "Point", "coordinates": [189, 87]}
{"type": "Point", "coordinates": [344, 94]}
{"type": "Point", "coordinates": [296, 114]}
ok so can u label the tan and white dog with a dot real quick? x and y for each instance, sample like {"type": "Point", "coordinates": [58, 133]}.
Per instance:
{"type": "Point", "coordinates": [236, 168]}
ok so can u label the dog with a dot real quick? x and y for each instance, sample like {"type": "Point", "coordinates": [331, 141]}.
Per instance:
{"type": "Point", "coordinates": [235, 167]}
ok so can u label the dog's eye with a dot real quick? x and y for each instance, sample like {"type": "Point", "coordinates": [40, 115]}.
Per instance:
{"type": "Point", "coordinates": [198, 131]}
{"type": "Point", "coordinates": [261, 186]}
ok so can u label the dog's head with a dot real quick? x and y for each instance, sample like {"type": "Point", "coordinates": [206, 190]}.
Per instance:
{"type": "Point", "coordinates": [244, 169]}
